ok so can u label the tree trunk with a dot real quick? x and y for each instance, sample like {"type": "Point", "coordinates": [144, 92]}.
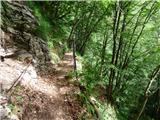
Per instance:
{"type": "Point", "coordinates": [153, 76]}
{"type": "Point", "coordinates": [142, 109]}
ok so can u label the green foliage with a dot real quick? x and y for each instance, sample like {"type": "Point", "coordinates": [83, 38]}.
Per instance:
{"type": "Point", "coordinates": [47, 29]}
{"type": "Point", "coordinates": [119, 44]}
{"type": "Point", "coordinates": [90, 77]}
{"type": "Point", "coordinates": [55, 58]}
{"type": "Point", "coordinates": [11, 106]}
{"type": "Point", "coordinates": [142, 59]}
{"type": "Point", "coordinates": [105, 110]}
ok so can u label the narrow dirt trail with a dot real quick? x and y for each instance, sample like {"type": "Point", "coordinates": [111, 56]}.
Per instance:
{"type": "Point", "coordinates": [51, 97]}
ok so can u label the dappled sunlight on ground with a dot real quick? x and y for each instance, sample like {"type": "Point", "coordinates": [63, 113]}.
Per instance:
{"type": "Point", "coordinates": [50, 96]}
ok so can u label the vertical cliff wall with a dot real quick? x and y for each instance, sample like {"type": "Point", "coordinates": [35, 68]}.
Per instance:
{"type": "Point", "coordinates": [18, 28]}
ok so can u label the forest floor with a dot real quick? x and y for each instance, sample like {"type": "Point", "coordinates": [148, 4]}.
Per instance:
{"type": "Point", "coordinates": [52, 97]}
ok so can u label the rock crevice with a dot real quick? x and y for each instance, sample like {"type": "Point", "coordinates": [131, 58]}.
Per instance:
{"type": "Point", "coordinates": [18, 30]}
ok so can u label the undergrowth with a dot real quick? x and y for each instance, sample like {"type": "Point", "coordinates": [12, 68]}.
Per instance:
{"type": "Point", "coordinates": [54, 34]}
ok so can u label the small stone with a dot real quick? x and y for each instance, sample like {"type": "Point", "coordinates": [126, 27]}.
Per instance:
{"type": "Point", "coordinates": [14, 117]}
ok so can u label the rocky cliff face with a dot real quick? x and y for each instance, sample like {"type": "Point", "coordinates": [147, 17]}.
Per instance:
{"type": "Point", "coordinates": [18, 32]}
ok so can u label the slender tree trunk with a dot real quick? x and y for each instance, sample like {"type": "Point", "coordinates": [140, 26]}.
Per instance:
{"type": "Point", "coordinates": [116, 23]}
{"type": "Point", "coordinates": [103, 54]}
{"type": "Point", "coordinates": [154, 74]}
{"type": "Point", "coordinates": [76, 22]}
{"type": "Point", "coordinates": [74, 55]}
{"type": "Point", "coordinates": [142, 109]}
{"type": "Point", "coordinates": [74, 59]}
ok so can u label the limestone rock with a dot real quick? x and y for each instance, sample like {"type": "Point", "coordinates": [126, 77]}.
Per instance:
{"type": "Point", "coordinates": [19, 26]}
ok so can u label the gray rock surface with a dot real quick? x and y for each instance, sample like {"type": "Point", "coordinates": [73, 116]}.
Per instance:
{"type": "Point", "coordinates": [18, 28]}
